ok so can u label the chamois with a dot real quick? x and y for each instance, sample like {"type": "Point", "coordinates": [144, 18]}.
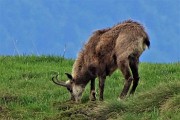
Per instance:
{"type": "Point", "coordinates": [108, 49]}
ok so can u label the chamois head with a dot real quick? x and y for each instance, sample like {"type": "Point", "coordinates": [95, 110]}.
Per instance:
{"type": "Point", "coordinates": [75, 90]}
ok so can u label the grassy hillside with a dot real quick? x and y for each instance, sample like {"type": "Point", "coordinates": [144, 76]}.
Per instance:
{"type": "Point", "coordinates": [27, 92]}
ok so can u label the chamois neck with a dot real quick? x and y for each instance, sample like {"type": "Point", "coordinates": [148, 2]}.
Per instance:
{"type": "Point", "coordinates": [83, 78]}
{"type": "Point", "coordinates": [80, 70]}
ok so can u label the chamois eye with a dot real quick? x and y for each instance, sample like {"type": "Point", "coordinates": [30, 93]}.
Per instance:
{"type": "Point", "coordinates": [69, 89]}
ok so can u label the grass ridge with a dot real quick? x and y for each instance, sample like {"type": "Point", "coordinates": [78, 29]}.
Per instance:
{"type": "Point", "coordinates": [27, 92]}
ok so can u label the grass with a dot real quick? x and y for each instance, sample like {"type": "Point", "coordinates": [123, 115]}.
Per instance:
{"type": "Point", "coordinates": [27, 92]}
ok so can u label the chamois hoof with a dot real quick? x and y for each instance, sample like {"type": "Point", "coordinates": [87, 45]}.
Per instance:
{"type": "Point", "coordinates": [101, 99]}
{"type": "Point", "coordinates": [120, 100]}
{"type": "Point", "coordinates": [122, 97]}
{"type": "Point", "coordinates": [92, 98]}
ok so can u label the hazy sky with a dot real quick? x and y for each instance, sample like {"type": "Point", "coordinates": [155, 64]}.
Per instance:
{"type": "Point", "coordinates": [45, 27]}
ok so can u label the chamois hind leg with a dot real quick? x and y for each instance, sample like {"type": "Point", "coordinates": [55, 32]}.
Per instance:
{"type": "Point", "coordinates": [92, 90]}
{"type": "Point", "coordinates": [124, 67]}
{"type": "Point", "coordinates": [134, 61]}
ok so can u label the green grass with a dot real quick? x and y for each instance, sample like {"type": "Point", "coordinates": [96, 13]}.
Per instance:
{"type": "Point", "coordinates": [27, 92]}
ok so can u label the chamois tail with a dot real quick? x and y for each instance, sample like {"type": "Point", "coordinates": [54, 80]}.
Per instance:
{"type": "Point", "coordinates": [147, 42]}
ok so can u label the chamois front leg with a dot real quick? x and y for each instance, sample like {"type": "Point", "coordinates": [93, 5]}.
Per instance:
{"type": "Point", "coordinates": [101, 87]}
{"type": "Point", "coordinates": [92, 90]}
{"type": "Point", "coordinates": [124, 67]}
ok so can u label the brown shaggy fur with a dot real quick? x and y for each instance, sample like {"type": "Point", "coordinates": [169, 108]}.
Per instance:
{"type": "Point", "coordinates": [109, 49]}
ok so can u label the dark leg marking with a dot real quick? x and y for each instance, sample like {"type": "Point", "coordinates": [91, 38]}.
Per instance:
{"type": "Point", "coordinates": [92, 90]}
{"type": "Point", "coordinates": [134, 68]}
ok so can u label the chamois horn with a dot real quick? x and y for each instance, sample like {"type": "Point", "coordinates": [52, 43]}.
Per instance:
{"type": "Point", "coordinates": [56, 81]}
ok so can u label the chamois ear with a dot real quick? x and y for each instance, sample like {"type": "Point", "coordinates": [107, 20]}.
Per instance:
{"type": "Point", "coordinates": [69, 76]}
{"type": "Point", "coordinates": [92, 70]}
